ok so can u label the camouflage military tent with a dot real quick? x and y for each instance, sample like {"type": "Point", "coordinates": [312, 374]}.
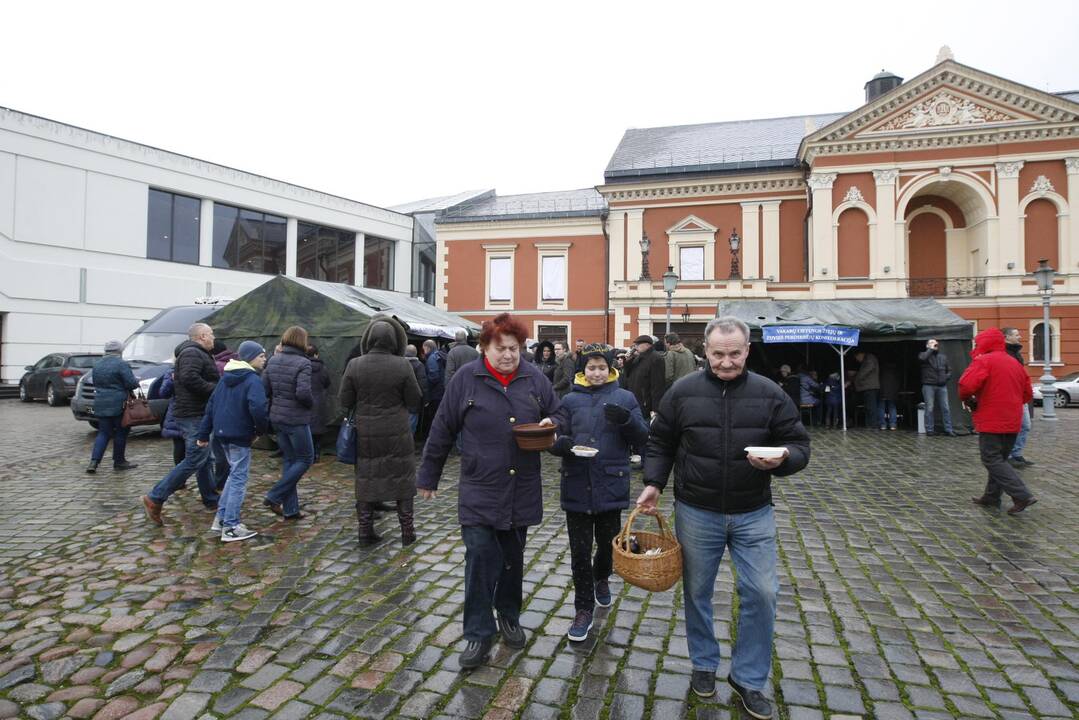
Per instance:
{"type": "Point", "coordinates": [334, 315]}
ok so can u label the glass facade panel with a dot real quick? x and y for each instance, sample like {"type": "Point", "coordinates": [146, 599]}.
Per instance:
{"type": "Point", "coordinates": [346, 257]}
{"type": "Point", "coordinates": [378, 263]}
{"type": "Point", "coordinates": [307, 251]}
{"type": "Point", "coordinates": [172, 231]}
{"type": "Point", "coordinates": [326, 254]}
{"type": "Point", "coordinates": [274, 229]}
{"type": "Point", "coordinates": [225, 218]}
{"type": "Point", "coordinates": [249, 240]}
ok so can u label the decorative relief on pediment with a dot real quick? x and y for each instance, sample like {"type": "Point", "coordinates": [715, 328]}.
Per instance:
{"type": "Point", "coordinates": [1042, 186]}
{"type": "Point", "coordinates": [853, 195]}
{"type": "Point", "coordinates": [944, 109]}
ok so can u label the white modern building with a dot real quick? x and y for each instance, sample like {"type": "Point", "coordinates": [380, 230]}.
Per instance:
{"type": "Point", "coordinates": [97, 234]}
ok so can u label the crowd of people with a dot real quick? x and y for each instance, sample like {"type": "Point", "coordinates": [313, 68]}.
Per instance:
{"type": "Point", "coordinates": [697, 422]}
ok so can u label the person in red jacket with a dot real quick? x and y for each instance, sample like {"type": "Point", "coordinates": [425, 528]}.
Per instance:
{"type": "Point", "coordinates": [997, 388]}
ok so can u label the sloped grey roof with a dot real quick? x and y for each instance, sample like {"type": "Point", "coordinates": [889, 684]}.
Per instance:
{"type": "Point", "coordinates": [712, 147]}
{"type": "Point", "coordinates": [565, 203]}
{"type": "Point", "coordinates": [1072, 95]}
{"type": "Point", "coordinates": [441, 202]}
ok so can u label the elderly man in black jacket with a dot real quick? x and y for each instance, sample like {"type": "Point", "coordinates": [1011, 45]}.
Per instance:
{"type": "Point", "coordinates": [196, 377]}
{"type": "Point", "coordinates": [723, 499]}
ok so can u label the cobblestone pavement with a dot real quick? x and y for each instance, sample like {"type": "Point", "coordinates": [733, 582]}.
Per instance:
{"type": "Point", "coordinates": [899, 598]}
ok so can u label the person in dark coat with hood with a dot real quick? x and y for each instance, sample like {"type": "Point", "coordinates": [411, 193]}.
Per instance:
{"type": "Point", "coordinates": [544, 359]}
{"type": "Point", "coordinates": [287, 380]}
{"type": "Point", "coordinates": [320, 383]}
{"type": "Point", "coordinates": [380, 388]}
{"type": "Point", "coordinates": [595, 490]}
{"type": "Point", "coordinates": [113, 382]}
{"type": "Point", "coordinates": [646, 374]}
{"type": "Point", "coordinates": [500, 492]}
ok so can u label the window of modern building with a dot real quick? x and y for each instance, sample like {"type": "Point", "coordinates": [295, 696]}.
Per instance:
{"type": "Point", "coordinates": [378, 262]}
{"type": "Point", "coordinates": [691, 263]}
{"type": "Point", "coordinates": [249, 240]}
{"type": "Point", "coordinates": [172, 231]}
{"type": "Point", "coordinates": [554, 277]}
{"type": "Point", "coordinates": [324, 253]}
{"type": "Point", "coordinates": [423, 259]}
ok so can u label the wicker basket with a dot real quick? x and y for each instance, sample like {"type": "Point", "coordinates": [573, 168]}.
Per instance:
{"type": "Point", "coordinates": [650, 572]}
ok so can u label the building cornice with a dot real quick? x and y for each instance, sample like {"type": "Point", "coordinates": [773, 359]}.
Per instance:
{"type": "Point", "coordinates": [698, 188]}
{"type": "Point", "coordinates": [76, 137]}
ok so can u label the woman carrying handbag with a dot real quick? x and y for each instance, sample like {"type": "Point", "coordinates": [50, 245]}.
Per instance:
{"type": "Point", "coordinates": [113, 383]}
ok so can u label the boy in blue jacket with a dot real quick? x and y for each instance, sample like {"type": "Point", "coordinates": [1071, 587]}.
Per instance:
{"type": "Point", "coordinates": [236, 415]}
{"type": "Point", "coordinates": [595, 489]}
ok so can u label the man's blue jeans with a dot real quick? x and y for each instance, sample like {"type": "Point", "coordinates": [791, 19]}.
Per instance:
{"type": "Point", "coordinates": [1021, 438]}
{"type": "Point", "coordinates": [297, 454]}
{"type": "Point", "coordinates": [109, 428]}
{"type": "Point", "coordinates": [196, 462]}
{"type": "Point", "coordinates": [232, 498]}
{"type": "Point", "coordinates": [751, 537]}
{"type": "Point", "coordinates": [936, 396]}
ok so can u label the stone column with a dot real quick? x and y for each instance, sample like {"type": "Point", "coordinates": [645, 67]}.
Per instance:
{"type": "Point", "coordinates": [770, 246]}
{"type": "Point", "coordinates": [1008, 249]}
{"type": "Point", "coordinates": [206, 233]}
{"type": "Point", "coordinates": [822, 260]}
{"type": "Point", "coordinates": [634, 230]}
{"type": "Point", "coordinates": [1069, 256]}
{"type": "Point", "coordinates": [291, 243]}
{"type": "Point", "coordinates": [891, 251]}
{"type": "Point", "coordinates": [751, 241]}
{"type": "Point", "coordinates": [360, 239]}
{"type": "Point", "coordinates": [616, 231]}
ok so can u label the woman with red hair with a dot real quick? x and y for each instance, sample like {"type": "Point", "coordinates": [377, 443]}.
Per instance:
{"type": "Point", "coordinates": [500, 492]}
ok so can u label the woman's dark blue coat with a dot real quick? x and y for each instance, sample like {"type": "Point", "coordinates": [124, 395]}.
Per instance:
{"type": "Point", "coordinates": [500, 484]}
{"type": "Point", "coordinates": [599, 484]}
{"type": "Point", "coordinates": [113, 381]}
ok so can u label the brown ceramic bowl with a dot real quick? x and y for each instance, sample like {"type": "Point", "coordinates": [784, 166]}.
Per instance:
{"type": "Point", "coordinates": [533, 436]}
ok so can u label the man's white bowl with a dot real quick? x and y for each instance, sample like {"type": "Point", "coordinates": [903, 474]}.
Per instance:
{"type": "Point", "coordinates": [766, 453]}
{"type": "Point", "coordinates": [592, 452]}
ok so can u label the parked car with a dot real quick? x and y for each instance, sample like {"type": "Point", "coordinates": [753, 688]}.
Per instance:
{"type": "Point", "coordinates": [54, 377]}
{"type": "Point", "coordinates": [149, 352]}
{"type": "Point", "coordinates": [1067, 391]}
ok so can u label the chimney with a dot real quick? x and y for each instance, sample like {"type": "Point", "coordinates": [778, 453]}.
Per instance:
{"type": "Point", "coordinates": [881, 83]}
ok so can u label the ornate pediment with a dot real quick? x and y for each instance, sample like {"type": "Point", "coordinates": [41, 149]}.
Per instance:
{"type": "Point", "coordinates": [945, 109]}
{"type": "Point", "coordinates": [691, 224]}
{"type": "Point", "coordinates": [949, 103]}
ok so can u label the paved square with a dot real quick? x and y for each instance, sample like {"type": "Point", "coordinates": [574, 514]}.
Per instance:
{"type": "Point", "coordinates": [899, 598]}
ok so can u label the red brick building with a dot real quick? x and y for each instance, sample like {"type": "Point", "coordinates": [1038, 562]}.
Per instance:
{"type": "Point", "coordinates": [950, 185]}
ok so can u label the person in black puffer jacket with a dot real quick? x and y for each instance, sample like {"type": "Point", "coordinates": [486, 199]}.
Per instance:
{"type": "Point", "coordinates": [195, 377]}
{"type": "Point", "coordinates": [287, 379]}
{"type": "Point", "coordinates": [723, 498]}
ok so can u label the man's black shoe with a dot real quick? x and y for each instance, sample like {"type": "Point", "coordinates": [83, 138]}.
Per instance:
{"type": "Point", "coordinates": [513, 635]}
{"type": "Point", "coordinates": [703, 682]}
{"type": "Point", "coordinates": [1021, 505]}
{"type": "Point", "coordinates": [92, 467]}
{"type": "Point", "coordinates": [951, 433]}
{"type": "Point", "coordinates": [1019, 459]}
{"type": "Point", "coordinates": [986, 501]}
{"type": "Point", "coordinates": [929, 433]}
{"type": "Point", "coordinates": [1016, 463]}
{"type": "Point", "coordinates": [474, 653]}
{"type": "Point", "coordinates": [125, 465]}
{"type": "Point", "coordinates": [753, 701]}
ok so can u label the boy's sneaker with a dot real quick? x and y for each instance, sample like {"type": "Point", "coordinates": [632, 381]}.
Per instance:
{"type": "Point", "coordinates": [216, 527]}
{"type": "Point", "coordinates": [237, 532]}
{"type": "Point", "coordinates": [603, 593]}
{"type": "Point", "coordinates": [582, 623]}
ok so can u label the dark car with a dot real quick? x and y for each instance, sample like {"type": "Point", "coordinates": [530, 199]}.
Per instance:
{"type": "Point", "coordinates": [54, 377]}
{"type": "Point", "coordinates": [149, 353]}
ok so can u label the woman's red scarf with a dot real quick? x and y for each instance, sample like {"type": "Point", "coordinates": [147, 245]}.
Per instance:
{"type": "Point", "coordinates": [504, 379]}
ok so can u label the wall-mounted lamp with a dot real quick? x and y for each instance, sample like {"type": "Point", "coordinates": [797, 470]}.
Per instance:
{"type": "Point", "coordinates": [887, 268]}
{"type": "Point", "coordinates": [1011, 266]}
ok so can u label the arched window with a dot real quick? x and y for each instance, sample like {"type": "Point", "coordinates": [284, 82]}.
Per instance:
{"type": "Point", "coordinates": [1037, 342]}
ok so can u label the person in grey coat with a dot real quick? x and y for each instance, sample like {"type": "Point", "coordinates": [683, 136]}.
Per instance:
{"type": "Point", "coordinates": [460, 354]}
{"type": "Point", "coordinates": [380, 388]}
{"type": "Point", "coordinates": [867, 384]}
{"type": "Point", "coordinates": [113, 382]}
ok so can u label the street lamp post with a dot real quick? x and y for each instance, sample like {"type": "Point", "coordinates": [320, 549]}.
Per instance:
{"type": "Point", "coordinates": [670, 282]}
{"type": "Point", "coordinates": [734, 241]}
{"type": "Point", "coordinates": [1044, 276]}
{"type": "Point", "coordinates": [646, 244]}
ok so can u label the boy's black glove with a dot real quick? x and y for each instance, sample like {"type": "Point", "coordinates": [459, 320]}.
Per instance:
{"type": "Point", "coordinates": [616, 414]}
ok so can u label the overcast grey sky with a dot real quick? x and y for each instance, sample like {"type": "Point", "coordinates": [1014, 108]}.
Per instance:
{"type": "Point", "coordinates": [391, 102]}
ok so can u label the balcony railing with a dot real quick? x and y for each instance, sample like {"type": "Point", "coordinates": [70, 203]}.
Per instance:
{"type": "Point", "coordinates": [946, 287]}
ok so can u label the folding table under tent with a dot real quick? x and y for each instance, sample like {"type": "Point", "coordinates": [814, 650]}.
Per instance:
{"type": "Point", "coordinates": [878, 321]}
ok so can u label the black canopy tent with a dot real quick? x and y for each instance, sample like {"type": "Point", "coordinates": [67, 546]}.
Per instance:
{"type": "Point", "coordinates": [895, 328]}
{"type": "Point", "coordinates": [334, 315]}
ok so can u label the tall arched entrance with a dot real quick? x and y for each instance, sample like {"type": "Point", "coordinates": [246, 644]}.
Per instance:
{"type": "Point", "coordinates": [946, 222]}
